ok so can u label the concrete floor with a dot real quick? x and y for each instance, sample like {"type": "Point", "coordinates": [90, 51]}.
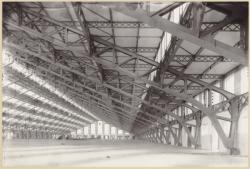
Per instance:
{"type": "Point", "coordinates": [103, 153]}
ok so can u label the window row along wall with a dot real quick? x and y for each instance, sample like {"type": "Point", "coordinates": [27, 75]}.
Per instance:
{"type": "Point", "coordinates": [101, 130]}
{"type": "Point", "coordinates": [201, 128]}
{"type": "Point", "coordinates": [31, 134]}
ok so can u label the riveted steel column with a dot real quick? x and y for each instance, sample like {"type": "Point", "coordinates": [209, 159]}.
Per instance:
{"type": "Point", "coordinates": [180, 127]}
{"type": "Point", "coordinates": [233, 133]}
{"type": "Point", "coordinates": [197, 136]}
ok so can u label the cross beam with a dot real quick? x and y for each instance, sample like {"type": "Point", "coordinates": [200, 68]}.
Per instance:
{"type": "Point", "coordinates": [182, 96]}
{"type": "Point", "coordinates": [178, 95]}
{"type": "Point", "coordinates": [223, 49]}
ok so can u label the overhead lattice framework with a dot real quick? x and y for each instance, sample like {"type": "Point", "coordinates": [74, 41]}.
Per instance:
{"type": "Point", "coordinates": [133, 65]}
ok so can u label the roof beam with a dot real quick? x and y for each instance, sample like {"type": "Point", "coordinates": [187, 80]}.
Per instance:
{"type": "Point", "coordinates": [123, 50]}
{"type": "Point", "coordinates": [43, 106]}
{"type": "Point", "coordinates": [132, 75]}
{"type": "Point", "coordinates": [81, 94]}
{"type": "Point", "coordinates": [167, 9]}
{"type": "Point", "coordinates": [211, 31]}
{"type": "Point", "coordinates": [40, 114]}
{"type": "Point", "coordinates": [120, 69]}
{"type": "Point", "coordinates": [107, 86]}
{"type": "Point", "coordinates": [36, 88]}
{"type": "Point", "coordinates": [219, 26]}
{"type": "Point", "coordinates": [78, 93]}
{"type": "Point", "coordinates": [19, 126]}
{"type": "Point", "coordinates": [133, 25]}
{"type": "Point", "coordinates": [200, 82]}
{"type": "Point", "coordinates": [51, 96]}
{"type": "Point", "coordinates": [223, 49]}
{"type": "Point", "coordinates": [79, 15]}
{"type": "Point", "coordinates": [218, 7]}
{"type": "Point", "coordinates": [206, 110]}
{"type": "Point", "coordinates": [207, 69]}
{"type": "Point", "coordinates": [51, 124]}
{"type": "Point", "coordinates": [199, 58]}
{"type": "Point", "coordinates": [198, 76]}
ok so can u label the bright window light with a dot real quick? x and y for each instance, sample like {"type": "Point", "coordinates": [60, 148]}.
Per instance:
{"type": "Point", "coordinates": [27, 72]}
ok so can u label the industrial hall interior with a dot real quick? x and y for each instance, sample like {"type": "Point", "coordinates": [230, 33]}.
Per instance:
{"type": "Point", "coordinates": [124, 84]}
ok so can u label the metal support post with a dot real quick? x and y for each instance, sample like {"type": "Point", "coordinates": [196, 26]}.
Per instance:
{"type": "Point", "coordinates": [103, 130]}
{"type": "Point", "coordinates": [89, 131]}
{"type": "Point", "coordinates": [197, 136]}
{"type": "Point", "coordinates": [162, 134]}
{"type": "Point", "coordinates": [233, 133]}
{"type": "Point", "coordinates": [96, 128]}
{"type": "Point", "coordinates": [244, 35]}
{"type": "Point", "coordinates": [157, 135]}
{"type": "Point", "coordinates": [180, 127]}
{"type": "Point", "coordinates": [116, 132]}
{"type": "Point", "coordinates": [109, 127]}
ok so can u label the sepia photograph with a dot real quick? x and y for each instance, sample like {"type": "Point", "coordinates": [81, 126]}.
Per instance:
{"type": "Point", "coordinates": [125, 84]}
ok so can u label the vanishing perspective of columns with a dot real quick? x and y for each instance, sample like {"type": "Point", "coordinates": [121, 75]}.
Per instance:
{"type": "Point", "coordinates": [162, 73]}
